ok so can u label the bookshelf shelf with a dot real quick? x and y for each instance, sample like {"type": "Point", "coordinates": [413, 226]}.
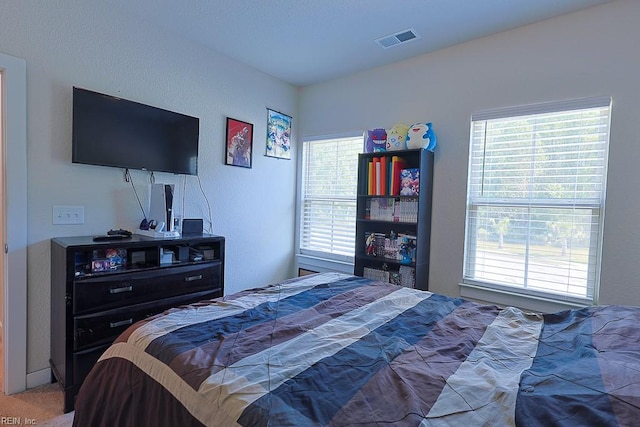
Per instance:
{"type": "Point", "coordinates": [393, 223]}
{"type": "Point", "coordinates": [391, 262]}
{"type": "Point", "coordinates": [413, 223]}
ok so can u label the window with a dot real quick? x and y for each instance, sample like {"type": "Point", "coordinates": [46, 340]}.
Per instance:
{"type": "Point", "coordinates": [535, 199]}
{"type": "Point", "coordinates": [328, 197]}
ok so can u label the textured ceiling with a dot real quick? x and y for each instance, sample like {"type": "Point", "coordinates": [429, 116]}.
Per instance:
{"type": "Point", "coordinates": [309, 41]}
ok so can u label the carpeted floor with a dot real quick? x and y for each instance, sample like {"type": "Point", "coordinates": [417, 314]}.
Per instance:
{"type": "Point", "coordinates": [34, 406]}
{"type": "Point", "coordinates": [37, 406]}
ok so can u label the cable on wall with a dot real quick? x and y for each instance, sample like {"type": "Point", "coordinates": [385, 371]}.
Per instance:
{"type": "Point", "coordinates": [128, 178]}
{"type": "Point", "coordinates": [208, 205]}
{"type": "Point", "coordinates": [184, 192]}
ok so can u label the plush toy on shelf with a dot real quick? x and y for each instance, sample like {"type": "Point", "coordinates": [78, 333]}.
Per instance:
{"type": "Point", "coordinates": [375, 140]}
{"type": "Point", "coordinates": [397, 137]}
{"type": "Point", "coordinates": [421, 135]}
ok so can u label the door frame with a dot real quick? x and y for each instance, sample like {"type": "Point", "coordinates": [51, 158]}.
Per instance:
{"type": "Point", "coordinates": [14, 224]}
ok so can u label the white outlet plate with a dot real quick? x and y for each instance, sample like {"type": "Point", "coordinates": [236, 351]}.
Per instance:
{"type": "Point", "coordinates": [68, 215]}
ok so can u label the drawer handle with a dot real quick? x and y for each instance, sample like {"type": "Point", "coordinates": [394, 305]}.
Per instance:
{"type": "Point", "coordinates": [121, 323]}
{"type": "Point", "coordinates": [192, 278]}
{"type": "Point", "coordinates": [121, 289]}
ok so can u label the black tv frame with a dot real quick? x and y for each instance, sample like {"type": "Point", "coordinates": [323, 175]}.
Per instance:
{"type": "Point", "coordinates": [113, 131]}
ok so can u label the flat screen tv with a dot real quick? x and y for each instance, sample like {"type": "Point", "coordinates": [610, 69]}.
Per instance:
{"type": "Point", "coordinates": [111, 131]}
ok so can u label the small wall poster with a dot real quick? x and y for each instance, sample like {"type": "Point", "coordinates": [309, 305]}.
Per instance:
{"type": "Point", "coordinates": [278, 135]}
{"type": "Point", "coordinates": [239, 143]}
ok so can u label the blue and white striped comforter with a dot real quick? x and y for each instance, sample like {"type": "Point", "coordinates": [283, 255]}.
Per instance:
{"type": "Point", "coordinates": [339, 350]}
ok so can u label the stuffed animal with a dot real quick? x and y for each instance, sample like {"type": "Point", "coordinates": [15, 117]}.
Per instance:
{"type": "Point", "coordinates": [397, 137]}
{"type": "Point", "coordinates": [421, 135]}
{"type": "Point", "coordinates": [375, 140]}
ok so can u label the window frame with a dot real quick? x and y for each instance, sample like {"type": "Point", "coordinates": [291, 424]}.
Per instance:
{"type": "Point", "coordinates": [318, 260]}
{"type": "Point", "coordinates": [507, 294]}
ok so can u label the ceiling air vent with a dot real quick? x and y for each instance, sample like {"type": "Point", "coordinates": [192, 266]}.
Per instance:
{"type": "Point", "coordinates": [397, 38]}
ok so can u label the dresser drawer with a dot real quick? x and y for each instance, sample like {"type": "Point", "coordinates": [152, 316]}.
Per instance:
{"type": "Point", "coordinates": [83, 361]}
{"type": "Point", "coordinates": [119, 290]}
{"type": "Point", "coordinates": [102, 328]}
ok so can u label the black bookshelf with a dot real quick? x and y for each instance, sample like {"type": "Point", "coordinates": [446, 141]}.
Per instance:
{"type": "Point", "coordinates": [401, 217]}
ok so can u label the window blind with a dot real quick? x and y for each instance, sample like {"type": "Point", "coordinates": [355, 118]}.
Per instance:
{"type": "Point", "coordinates": [328, 199]}
{"type": "Point", "coordinates": [535, 199]}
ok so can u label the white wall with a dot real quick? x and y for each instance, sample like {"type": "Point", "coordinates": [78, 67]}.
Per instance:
{"type": "Point", "coordinates": [84, 43]}
{"type": "Point", "coordinates": [590, 53]}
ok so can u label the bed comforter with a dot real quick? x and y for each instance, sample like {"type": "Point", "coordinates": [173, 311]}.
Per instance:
{"type": "Point", "coordinates": [340, 350]}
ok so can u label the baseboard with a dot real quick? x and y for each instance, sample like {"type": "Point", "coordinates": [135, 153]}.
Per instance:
{"type": "Point", "coordinates": [37, 378]}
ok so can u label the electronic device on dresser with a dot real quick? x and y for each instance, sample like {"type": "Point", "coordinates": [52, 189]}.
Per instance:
{"type": "Point", "coordinates": [100, 288]}
{"type": "Point", "coordinates": [161, 207]}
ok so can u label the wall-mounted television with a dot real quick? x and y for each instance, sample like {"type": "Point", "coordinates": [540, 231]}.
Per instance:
{"type": "Point", "coordinates": [112, 131]}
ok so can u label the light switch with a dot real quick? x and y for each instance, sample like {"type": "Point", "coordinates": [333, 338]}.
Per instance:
{"type": "Point", "coordinates": [68, 215]}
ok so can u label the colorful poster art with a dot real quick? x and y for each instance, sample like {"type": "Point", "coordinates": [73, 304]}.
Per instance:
{"type": "Point", "coordinates": [278, 135]}
{"type": "Point", "coordinates": [239, 143]}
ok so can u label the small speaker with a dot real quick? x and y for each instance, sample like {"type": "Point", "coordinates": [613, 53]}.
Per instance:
{"type": "Point", "coordinates": [183, 253]}
{"type": "Point", "coordinates": [192, 226]}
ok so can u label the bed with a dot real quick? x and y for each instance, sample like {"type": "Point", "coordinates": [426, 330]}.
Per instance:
{"type": "Point", "coordinates": [340, 350]}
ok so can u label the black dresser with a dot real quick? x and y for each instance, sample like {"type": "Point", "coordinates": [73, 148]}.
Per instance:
{"type": "Point", "coordinates": [98, 289]}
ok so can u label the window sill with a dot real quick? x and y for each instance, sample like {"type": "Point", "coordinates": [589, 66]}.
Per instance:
{"type": "Point", "coordinates": [515, 299]}
{"type": "Point", "coordinates": [322, 265]}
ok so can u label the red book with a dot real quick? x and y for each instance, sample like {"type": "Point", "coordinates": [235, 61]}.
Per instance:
{"type": "Point", "coordinates": [376, 173]}
{"type": "Point", "coordinates": [383, 176]}
{"type": "Point", "coordinates": [397, 164]}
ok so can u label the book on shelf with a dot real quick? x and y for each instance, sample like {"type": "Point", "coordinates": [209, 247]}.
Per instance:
{"type": "Point", "coordinates": [407, 245]}
{"type": "Point", "coordinates": [410, 182]}
{"type": "Point", "coordinates": [370, 178]}
{"type": "Point", "coordinates": [397, 164]}
{"type": "Point", "coordinates": [383, 175]}
{"type": "Point", "coordinates": [392, 209]}
{"type": "Point", "coordinates": [390, 176]}
{"type": "Point", "coordinates": [381, 209]}
{"type": "Point", "coordinates": [408, 210]}
{"type": "Point", "coordinates": [382, 181]}
{"type": "Point", "coordinates": [405, 276]}
{"type": "Point", "coordinates": [398, 247]}
{"type": "Point", "coordinates": [376, 274]}
{"type": "Point", "coordinates": [380, 238]}
{"type": "Point", "coordinates": [391, 247]}
{"type": "Point", "coordinates": [378, 174]}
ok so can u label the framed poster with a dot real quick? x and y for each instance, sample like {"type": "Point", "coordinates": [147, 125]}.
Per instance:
{"type": "Point", "coordinates": [278, 135]}
{"type": "Point", "coordinates": [239, 143]}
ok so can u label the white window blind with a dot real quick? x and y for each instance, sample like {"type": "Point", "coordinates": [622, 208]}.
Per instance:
{"type": "Point", "coordinates": [535, 199]}
{"type": "Point", "coordinates": [328, 217]}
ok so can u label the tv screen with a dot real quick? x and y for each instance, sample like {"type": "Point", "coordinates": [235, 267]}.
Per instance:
{"type": "Point", "coordinates": [111, 131]}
